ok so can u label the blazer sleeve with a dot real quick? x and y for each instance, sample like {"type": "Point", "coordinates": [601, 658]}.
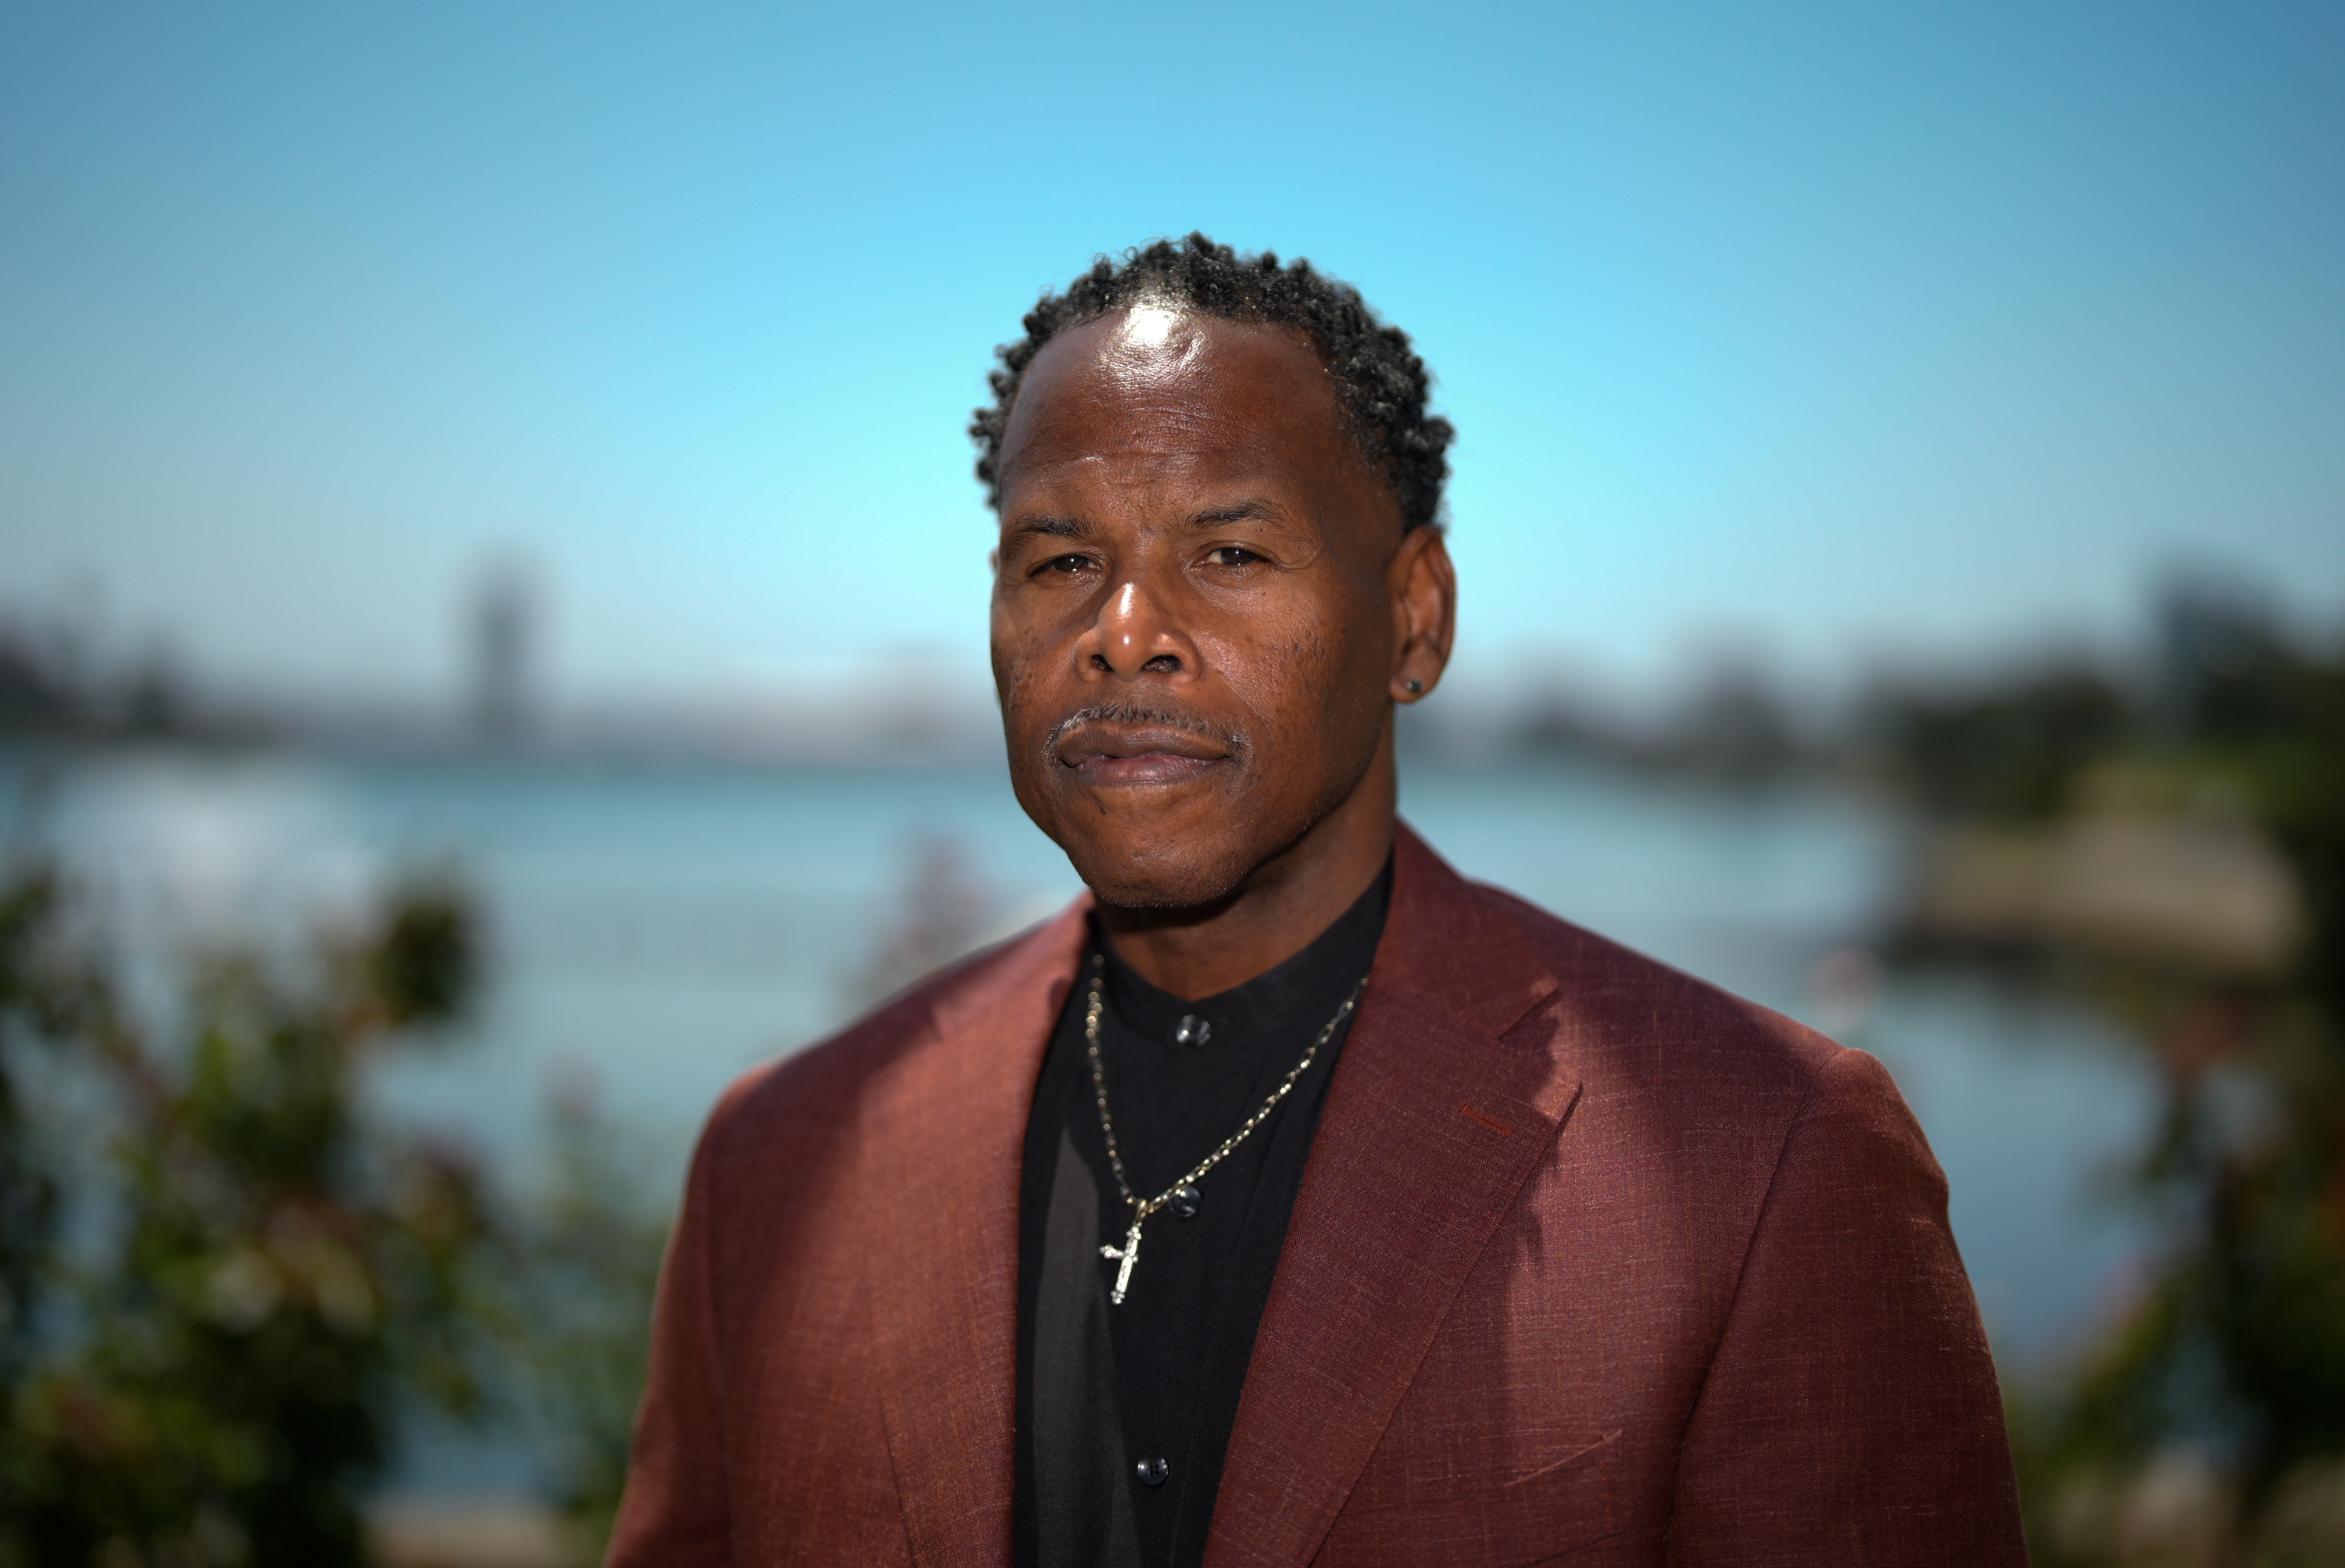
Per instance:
{"type": "Point", "coordinates": [676, 1509]}
{"type": "Point", "coordinates": [1851, 1414]}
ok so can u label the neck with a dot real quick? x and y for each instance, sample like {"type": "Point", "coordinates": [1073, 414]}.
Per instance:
{"type": "Point", "coordinates": [1278, 910]}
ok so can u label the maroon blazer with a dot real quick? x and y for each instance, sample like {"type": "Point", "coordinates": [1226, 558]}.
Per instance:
{"type": "Point", "coordinates": [1592, 1263]}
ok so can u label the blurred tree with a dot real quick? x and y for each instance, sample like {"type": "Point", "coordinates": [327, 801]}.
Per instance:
{"type": "Point", "coordinates": [2239, 1342]}
{"type": "Point", "coordinates": [576, 1317]}
{"type": "Point", "coordinates": [36, 1002]}
{"type": "Point", "coordinates": [2235, 1348]}
{"type": "Point", "coordinates": [2010, 752]}
{"type": "Point", "coordinates": [213, 1383]}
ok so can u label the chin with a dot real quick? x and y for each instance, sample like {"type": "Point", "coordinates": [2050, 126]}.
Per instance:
{"type": "Point", "coordinates": [1192, 891]}
{"type": "Point", "coordinates": [1157, 870]}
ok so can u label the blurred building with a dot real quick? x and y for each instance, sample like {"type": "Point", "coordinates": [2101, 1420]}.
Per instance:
{"type": "Point", "coordinates": [500, 636]}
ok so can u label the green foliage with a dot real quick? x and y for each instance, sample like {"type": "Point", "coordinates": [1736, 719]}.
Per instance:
{"type": "Point", "coordinates": [2007, 753]}
{"type": "Point", "coordinates": [28, 1191]}
{"type": "Point", "coordinates": [2238, 1342]}
{"type": "Point", "coordinates": [423, 967]}
{"type": "Point", "coordinates": [577, 1318]}
{"type": "Point", "coordinates": [2282, 727]}
{"type": "Point", "coordinates": [270, 1278]}
{"type": "Point", "coordinates": [214, 1384]}
{"type": "Point", "coordinates": [2235, 1349]}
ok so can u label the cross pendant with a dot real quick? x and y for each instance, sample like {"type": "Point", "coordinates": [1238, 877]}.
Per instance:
{"type": "Point", "coordinates": [1129, 1254]}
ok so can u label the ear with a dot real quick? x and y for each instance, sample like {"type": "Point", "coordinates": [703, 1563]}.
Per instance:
{"type": "Point", "coordinates": [1421, 586]}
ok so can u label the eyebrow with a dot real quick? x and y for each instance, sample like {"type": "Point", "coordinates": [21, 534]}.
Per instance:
{"type": "Point", "coordinates": [1255, 509]}
{"type": "Point", "coordinates": [1046, 526]}
{"type": "Point", "coordinates": [1049, 528]}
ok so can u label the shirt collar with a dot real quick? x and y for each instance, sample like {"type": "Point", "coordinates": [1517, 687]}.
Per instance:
{"type": "Point", "coordinates": [1296, 996]}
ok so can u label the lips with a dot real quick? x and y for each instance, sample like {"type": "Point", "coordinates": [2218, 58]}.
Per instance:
{"type": "Point", "coordinates": [1121, 753]}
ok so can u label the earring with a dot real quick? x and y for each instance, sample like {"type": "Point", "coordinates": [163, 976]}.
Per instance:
{"type": "Point", "coordinates": [1416, 688]}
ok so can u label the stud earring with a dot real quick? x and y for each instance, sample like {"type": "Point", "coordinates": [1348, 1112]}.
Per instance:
{"type": "Point", "coordinates": [1416, 688]}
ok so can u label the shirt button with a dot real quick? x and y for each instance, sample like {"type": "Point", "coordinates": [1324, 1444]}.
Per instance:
{"type": "Point", "coordinates": [1193, 1030]}
{"type": "Point", "coordinates": [1185, 1200]}
{"type": "Point", "coordinates": [1152, 1471]}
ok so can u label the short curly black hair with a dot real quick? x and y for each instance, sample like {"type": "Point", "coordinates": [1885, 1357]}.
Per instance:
{"type": "Point", "coordinates": [1380, 383]}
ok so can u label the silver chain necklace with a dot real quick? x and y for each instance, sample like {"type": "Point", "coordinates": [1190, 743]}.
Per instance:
{"type": "Point", "coordinates": [1185, 1188]}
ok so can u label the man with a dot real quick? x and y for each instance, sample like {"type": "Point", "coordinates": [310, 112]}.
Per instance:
{"type": "Point", "coordinates": [1290, 1199]}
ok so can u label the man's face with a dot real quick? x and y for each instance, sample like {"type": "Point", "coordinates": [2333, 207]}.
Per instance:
{"type": "Point", "coordinates": [1194, 628]}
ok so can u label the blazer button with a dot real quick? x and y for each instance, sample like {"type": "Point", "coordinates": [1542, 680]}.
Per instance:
{"type": "Point", "coordinates": [1152, 1471]}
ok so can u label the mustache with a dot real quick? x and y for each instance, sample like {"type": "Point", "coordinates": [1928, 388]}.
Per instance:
{"type": "Point", "coordinates": [1141, 713]}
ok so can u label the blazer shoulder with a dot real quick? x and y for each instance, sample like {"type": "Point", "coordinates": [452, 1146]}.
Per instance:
{"type": "Point", "coordinates": [1719, 1084]}
{"type": "Point", "coordinates": [1644, 1020]}
{"type": "Point", "coordinates": [809, 1097]}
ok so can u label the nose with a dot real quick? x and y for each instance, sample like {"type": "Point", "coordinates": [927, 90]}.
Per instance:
{"type": "Point", "coordinates": [1133, 637]}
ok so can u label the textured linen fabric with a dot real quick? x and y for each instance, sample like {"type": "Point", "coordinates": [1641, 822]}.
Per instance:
{"type": "Point", "coordinates": [1591, 1263]}
{"type": "Point", "coordinates": [1160, 1375]}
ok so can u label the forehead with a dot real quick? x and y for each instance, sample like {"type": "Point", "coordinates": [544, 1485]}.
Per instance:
{"type": "Point", "coordinates": [1151, 392]}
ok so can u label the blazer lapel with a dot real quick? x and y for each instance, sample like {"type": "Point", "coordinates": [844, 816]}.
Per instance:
{"type": "Point", "coordinates": [1432, 1125]}
{"type": "Point", "coordinates": [943, 1129]}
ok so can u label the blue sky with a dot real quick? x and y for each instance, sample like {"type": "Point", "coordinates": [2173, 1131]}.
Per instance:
{"type": "Point", "coordinates": [1839, 332]}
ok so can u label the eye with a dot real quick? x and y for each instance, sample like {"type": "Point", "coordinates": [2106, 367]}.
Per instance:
{"type": "Point", "coordinates": [1231, 555]}
{"type": "Point", "coordinates": [1066, 563]}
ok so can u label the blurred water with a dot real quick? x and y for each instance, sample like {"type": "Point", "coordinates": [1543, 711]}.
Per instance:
{"type": "Point", "coordinates": [657, 929]}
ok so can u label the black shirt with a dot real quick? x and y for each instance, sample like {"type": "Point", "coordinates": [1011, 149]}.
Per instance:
{"type": "Point", "coordinates": [1109, 1395]}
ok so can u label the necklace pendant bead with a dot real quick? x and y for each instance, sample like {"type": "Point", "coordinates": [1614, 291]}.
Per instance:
{"type": "Point", "coordinates": [1185, 1199]}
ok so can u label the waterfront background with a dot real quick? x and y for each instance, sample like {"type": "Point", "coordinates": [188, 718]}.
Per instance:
{"type": "Point", "coordinates": [493, 643]}
{"type": "Point", "coordinates": [656, 929]}
{"type": "Point", "coordinates": [653, 927]}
